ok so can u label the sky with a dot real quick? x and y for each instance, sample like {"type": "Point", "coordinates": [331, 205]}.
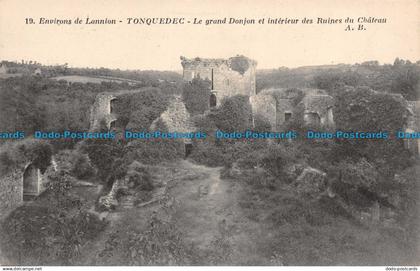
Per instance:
{"type": "Point", "coordinates": [159, 47]}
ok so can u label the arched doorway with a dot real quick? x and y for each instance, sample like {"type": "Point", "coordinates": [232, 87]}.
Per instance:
{"type": "Point", "coordinates": [213, 100]}
{"type": "Point", "coordinates": [313, 118]}
{"type": "Point", "coordinates": [112, 105]}
{"type": "Point", "coordinates": [30, 182]}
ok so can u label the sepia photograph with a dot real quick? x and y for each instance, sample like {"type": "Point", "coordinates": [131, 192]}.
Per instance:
{"type": "Point", "coordinates": [210, 134]}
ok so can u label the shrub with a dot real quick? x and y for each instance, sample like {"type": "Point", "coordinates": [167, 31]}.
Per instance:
{"type": "Point", "coordinates": [102, 153]}
{"type": "Point", "coordinates": [274, 158]}
{"type": "Point", "coordinates": [81, 167]}
{"type": "Point", "coordinates": [138, 110]}
{"type": "Point", "coordinates": [20, 153]}
{"type": "Point", "coordinates": [38, 152]}
{"type": "Point", "coordinates": [235, 114]}
{"type": "Point", "coordinates": [37, 235]}
{"type": "Point", "coordinates": [261, 124]}
{"type": "Point", "coordinates": [140, 177]}
{"type": "Point", "coordinates": [154, 151]}
{"type": "Point", "coordinates": [363, 110]}
{"type": "Point", "coordinates": [159, 244]}
{"type": "Point", "coordinates": [207, 153]}
{"type": "Point", "coordinates": [196, 96]}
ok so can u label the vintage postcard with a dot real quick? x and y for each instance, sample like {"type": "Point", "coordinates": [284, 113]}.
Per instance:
{"type": "Point", "coordinates": [209, 133]}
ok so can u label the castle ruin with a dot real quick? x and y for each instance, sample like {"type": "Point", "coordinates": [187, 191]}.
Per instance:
{"type": "Point", "coordinates": [280, 106]}
{"type": "Point", "coordinates": [237, 76]}
{"type": "Point", "coordinates": [228, 77]}
{"type": "Point", "coordinates": [103, 110]}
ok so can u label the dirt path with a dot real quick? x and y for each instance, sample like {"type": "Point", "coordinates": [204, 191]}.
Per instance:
{"type": "Point", "coordinates": [209, 216]}
{"type": "Point", "coordinates": [205, 210]}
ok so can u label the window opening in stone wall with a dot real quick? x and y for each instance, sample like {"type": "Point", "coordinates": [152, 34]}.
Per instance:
{"type": "Point", "coordinates": [314, 118]}
{"type": "Point", "coordinates": [30, 183]}
{"type": "Point", "coordinates": [287, 116]}
{"type": "Point", "coordinates": [112, 106]}
{"type": "Point", "coordinates": [212, 80]}
{"type": "Point", "coordinates": [213, 100]}
{"type": "Point", "coordinates": [188, 149]}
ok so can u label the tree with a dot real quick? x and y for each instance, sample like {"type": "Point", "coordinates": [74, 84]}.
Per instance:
{"type": "Point", "coordinates": [196, 96]}
{"type": "Point", "coordinates": [234, 115]}
{"type": "Point", "coordinates": [364, 110]}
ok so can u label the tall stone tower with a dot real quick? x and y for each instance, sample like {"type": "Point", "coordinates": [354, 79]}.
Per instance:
{"type": "Point", "coordinates": [228, 77]}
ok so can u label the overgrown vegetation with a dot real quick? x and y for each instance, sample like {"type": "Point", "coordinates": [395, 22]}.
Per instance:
{"type": "Point", "coordinates": [52, 230]}
{"type": "Point", "coordinates": [196, 96]}
{"type": "Point", "coordinates": [401, 77]}
{"type": "Point", "coordinates": [361, 176]}
{"type": "Point", "coordinates": [29, 151]}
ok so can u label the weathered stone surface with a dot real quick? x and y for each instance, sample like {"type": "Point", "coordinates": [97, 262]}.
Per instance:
{"type": "Point", "coordinates": [264, 106]}
{"type": "Point", "coordinates": [318, 109]}
{"type": "Point", "coordinates": [11, 189]}
{"type": "Point", "coordinates": [175, 118]}
{"type": "Point", "coordinates": [233, 76]}
{"type": "Point", "coordinates": [281, 105]}
{"type": "Point", "coordinates": [101, 110]}
{"type": "Point", "coordinates": [413, 125]}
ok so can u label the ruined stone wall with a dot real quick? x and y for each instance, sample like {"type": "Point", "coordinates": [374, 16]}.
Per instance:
{"type": "Point", "coordinates": [285, 101]}
{"type": "Point", "coordinates": [11, 191]}
{"type": "Point", "coordinates": [321, 105]}
{"type": "Point", "coordinates": [228, 83]}
{"type": "Point", "coordinates": [413, 125]}
{"type": "Point", "coordinates": [228, 79]}
{"type": "Point", "coordinates": [11, 187]}
{"type": "Point", "coordinates": [175, 118]}
{"type": "Point", "coordinates": [283, 106]}
{"type": "Point", "coordinates": [414, 117]}
{"type": "Point", "coordinates": [101, 110]}
{"type": "Point", "coordinates": [265, 106]}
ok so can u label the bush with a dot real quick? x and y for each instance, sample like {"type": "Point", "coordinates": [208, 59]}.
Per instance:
{"type": "Point", "coordinates": [81, 167]}
{"type": "Point", "coordinates": [154, 151]}
{"type": "Point", "coordinates": [102, 153]}
{"type": "Point", "coordinates": [261, 124]}
{"type": "Point", "coordinates": [234, 115]}
{"type": "Point", "coordinates": [36, 235]}
{"type": "Point", "coordinates": [139, 177]}
{"type": "Point", "coordinates": [160, 244]}
{"type": "Point", "coordinates": [363, 110]}
{"type": "Point", "coordinates": [138, 110]}
{"type": "Point", "coordinates": [273, 158]}
{"type": "Point", "coordinates": [20, 153]}
{"type": "Point", "coordinates": [207, 153]}
{"type": "Point", "coordinates": [38, 152]}
{"type": "Point", "coordinates": [196, 96]}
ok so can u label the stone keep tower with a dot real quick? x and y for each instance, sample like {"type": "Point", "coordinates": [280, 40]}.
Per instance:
{"type": "Point", "coordinates": [228, 77]}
